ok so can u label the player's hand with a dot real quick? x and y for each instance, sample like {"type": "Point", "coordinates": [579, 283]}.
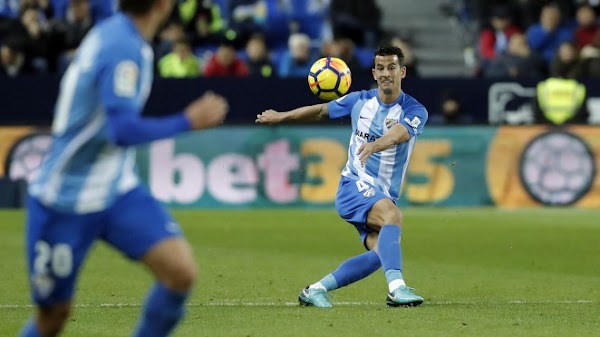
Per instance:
{"type": "Point", "coordinates": [207, 111]}
{"type": "Point", "coordinates": [268, 117]}
{"type": "Point", "coordinates": [364, 151]}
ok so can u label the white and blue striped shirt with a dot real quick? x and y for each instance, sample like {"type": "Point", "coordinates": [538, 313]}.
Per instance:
{"type": "Point", "coordinates": [386, 169]}
{"type": "Point", "coordinates": [85, 170]}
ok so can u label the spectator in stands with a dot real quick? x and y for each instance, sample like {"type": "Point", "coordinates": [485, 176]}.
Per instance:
{"type": "Point", "coordinates": [225, 62]}
{"type": "Point", "coordinates": [530, 10]}
{"type": "Point", "coordinates": [13, 61]}
{"type": "Point", "coordinates": [410, 59]}
{"type": "Point", "coordinates": [590, 58]}
{"type": "Point", "coordinates": [171, 32]}
{"type": "Point", "coordinates": [566, 63]}
{"type": "Point", "coordinates": [451, 111]}
{"type": "Point", "coordinates": [42, 47]}
{"type": "Point", "coordinates": [493, 39]}
{"type": "Point", "coordinates": [560, 101]}
{"type": "Point", "coordinates": [311, 18]}
{"type": "Point", "coordinates": [44, 7]}
{"type": "Point", "coordinates": [519, 61]}
{"type": "Point", "coordinates": [587, 26]}
{"type": "Point", "coordinates": [247, 17]}
{"type": "Point", "coordinates": [99, 9]}
{"type": "Point", "coordinates": [9, 9]}
{"type": "Point", "coordinates": [258, 61]}
{"type": "Point", "coordinates": [343, 48]}
{"type": "Point", "coordinates": [296, 61]}
{"type": "Point", "coordinates": [181, 62]}
{"type": "Point", "coordinates": [72, 29]}
{"type": "Point", "coordinates": [358, 20]}
{"type": "Point", "coordinates": [546, 36]}
{"type": "Point", "coordinates": [325, 48]}
{"type": "Point", "coordinates": [202, 21]}
{"type": "Point", "coordinates": [76, 24]}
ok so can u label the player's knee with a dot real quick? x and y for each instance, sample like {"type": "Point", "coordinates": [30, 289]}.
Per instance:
{"type": "Point", "coordinates": [393, 217]}
{"type": "Point", "coordinates": [52, 320]}
{"type": "Point", "coordinates": [183, 277]}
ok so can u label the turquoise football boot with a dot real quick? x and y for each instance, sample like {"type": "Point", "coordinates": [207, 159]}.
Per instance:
{"type": "Point", "coordinates": [403, 296]}
{"type": "Point", "coordinates": [314, 297]}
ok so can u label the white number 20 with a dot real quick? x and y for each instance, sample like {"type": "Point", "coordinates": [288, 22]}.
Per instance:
{"type": "Point", "coordinates": [60, 258]}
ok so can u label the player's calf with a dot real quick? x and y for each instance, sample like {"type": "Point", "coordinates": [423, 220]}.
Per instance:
{"type": "Point", "coordinates": [49, 321]}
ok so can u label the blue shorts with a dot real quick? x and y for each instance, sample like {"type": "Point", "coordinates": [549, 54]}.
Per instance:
{"type": "Point", "coordinates": [58, 242]}
{"type": "Point", "coordinates": [354, 200]}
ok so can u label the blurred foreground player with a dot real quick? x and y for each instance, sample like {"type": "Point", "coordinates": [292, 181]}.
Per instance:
{"type": "Point", "coordinates": [87, 188]}
{"type": "Point", "coordinates": [385, 124]}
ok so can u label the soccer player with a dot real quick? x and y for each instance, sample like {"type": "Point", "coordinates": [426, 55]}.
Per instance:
{"type": "Point", "coordinates": [385, 125]}
{"type": "Point", "coordinates": [87, 188]}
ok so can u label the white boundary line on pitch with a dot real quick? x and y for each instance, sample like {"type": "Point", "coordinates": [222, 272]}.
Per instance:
{"type": "Point", "coordinates": [287, 304]}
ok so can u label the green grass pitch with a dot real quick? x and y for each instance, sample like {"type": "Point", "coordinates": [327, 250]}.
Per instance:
{"type": "Point", "coordinates": [483, 272]}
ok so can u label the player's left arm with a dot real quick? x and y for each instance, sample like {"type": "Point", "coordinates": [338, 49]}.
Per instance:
{"type": "Point", "coordinates": [399, 132]}
{"type": "Point", "coordinates": [119, 82]}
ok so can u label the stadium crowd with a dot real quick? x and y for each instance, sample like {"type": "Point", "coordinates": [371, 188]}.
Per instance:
{"type": "Point", "coordinates": [514, 38]}
{"type": "Point", "coordinates": [534, 38]}
{"type": "Point", "coordinates": [203, 37]}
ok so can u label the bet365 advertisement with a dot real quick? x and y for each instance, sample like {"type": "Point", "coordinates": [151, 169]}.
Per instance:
{"type": "Point", "coordinates": [258, 166]}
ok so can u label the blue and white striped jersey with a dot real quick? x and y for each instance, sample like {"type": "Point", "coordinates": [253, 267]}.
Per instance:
{"type": "Point", "coordinates": [385, 169]}
{"type": "Point", "coordinates": [84, 170]}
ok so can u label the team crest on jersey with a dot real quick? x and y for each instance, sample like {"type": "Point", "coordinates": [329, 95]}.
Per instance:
{"type": "Point", "coordinates": [389, 122]}
{"type": "Point", "coordinates": [126, 78]}
{"type": "Point", "coordinates": [414, 123]}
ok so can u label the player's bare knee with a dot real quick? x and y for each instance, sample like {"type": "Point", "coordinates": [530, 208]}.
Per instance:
{"type": "Point", "coordinates": [387, 213]}
{"type": "Point", "coordinates": [182, 278]}
{"type": "Point", "coordinates": [393, 217]}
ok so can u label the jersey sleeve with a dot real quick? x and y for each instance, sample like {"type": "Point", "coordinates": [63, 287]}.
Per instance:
{"type": "Point", "coordinates": [342, 106]}
{"type": "Point", "coordinates": [119, 82]}
{"type": "Point", "coordinates": [414, 120]}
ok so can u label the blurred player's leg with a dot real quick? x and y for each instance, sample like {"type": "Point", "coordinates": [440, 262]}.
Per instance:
{"type": "Point", "coordinates": [50, 320]}
{"type": "Point", "coordinates": [57, 243]}
{"type": "Point", "coordinates": [172, 263]}
{"type": "Point", "coordinates": [141, 228]}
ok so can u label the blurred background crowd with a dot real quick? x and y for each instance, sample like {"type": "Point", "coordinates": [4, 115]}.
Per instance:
{"type": "Point", "coordinates": [531, 38]}
{"type": "Point", "coordinates": [458, 39]}
{"type": "Point", "coordinates": [203, 37]}
{"type": "Point", "coordinates": [500, 38]}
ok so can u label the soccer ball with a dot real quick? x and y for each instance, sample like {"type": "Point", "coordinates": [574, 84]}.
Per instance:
{"type": "Point", "coordinates": [329, 78]}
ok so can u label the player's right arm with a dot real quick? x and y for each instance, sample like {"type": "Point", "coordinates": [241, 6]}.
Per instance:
{"type": "Point", "coordinates": [341, 107]}
{"type": "Point", "coordinates": [310, 113]}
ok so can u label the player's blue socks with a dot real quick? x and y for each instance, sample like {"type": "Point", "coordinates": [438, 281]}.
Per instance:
{"type": "Point", "coordinates": [30, 329]}
{"type": "Point", "coordinates": [355, 268]}
{"type": "Point", "coordinates": [388, 246]}
{"type": "Point", "coordinates": [162, 311]}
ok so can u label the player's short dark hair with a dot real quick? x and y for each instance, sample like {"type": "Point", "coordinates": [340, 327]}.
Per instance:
{"type": "Point", "coordinates": [389, 49]}
{"type": "Point", "coordinates": [136, 7]}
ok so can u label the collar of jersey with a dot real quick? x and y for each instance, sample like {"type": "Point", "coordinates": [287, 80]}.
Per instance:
{"type": "Point", "coordinates": [397, 101]}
